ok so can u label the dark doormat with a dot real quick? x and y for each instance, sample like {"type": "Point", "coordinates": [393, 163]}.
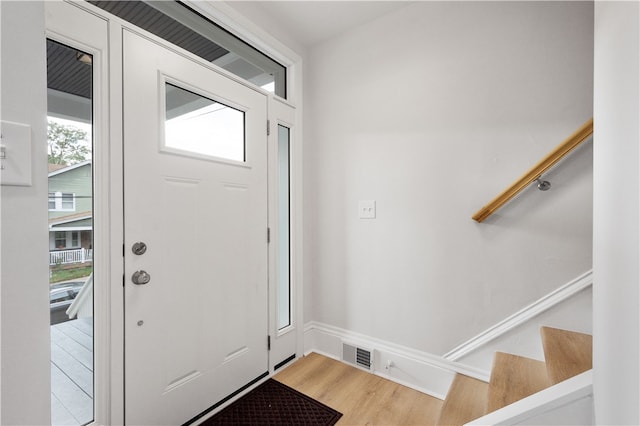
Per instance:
{"type": "Point", "coordinates": [273, 403]}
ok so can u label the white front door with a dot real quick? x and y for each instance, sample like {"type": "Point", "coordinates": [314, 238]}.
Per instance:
{"type": "Point", "coordinates": [195, 183]}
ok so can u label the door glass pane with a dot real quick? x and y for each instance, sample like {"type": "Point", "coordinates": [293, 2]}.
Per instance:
{"type": "Point", "coordinates": [284, 253]}
{"type": "Point", "coordinates": [69, 105]}
{"type": "Point", "coordinates": [199, 125]}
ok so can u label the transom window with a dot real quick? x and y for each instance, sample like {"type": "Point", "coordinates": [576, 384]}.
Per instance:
{"type": "Point", "coordinates": [177, 23]}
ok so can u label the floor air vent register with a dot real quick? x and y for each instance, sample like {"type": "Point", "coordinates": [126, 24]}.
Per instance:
{"type": "Point", "coordinates": [358, 356]}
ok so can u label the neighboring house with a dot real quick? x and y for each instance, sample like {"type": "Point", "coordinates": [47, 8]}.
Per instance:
{"type": "Point", "coordinates": [70, 213]}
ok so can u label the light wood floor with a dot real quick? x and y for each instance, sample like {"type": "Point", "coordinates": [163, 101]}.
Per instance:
{"type": "Point", "coordinates": [361, 397]}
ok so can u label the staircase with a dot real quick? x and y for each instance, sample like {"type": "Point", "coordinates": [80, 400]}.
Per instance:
{"type": "Point", "coordinates": [513, 377]}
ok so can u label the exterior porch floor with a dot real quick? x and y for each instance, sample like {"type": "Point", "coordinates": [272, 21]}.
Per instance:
{"type": "Point", "coordinates": [72, 372]}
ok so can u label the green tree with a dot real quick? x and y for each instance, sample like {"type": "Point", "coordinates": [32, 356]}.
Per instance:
{"type": "Point", "coordinates": [67, 144]}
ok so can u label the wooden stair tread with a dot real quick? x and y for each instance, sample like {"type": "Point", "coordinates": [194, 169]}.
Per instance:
{"type": "Point", "coordinates": [466, 400]}
{"type": "Point", "coordinates": [567, 353]}
{"type": "Point", "coordinates": [514, 377]}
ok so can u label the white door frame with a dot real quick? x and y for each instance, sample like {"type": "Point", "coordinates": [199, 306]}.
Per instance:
{"type": "Point", "coordinates": [71, 26]}
{"type": "Point", "coordinates": [109, 312]}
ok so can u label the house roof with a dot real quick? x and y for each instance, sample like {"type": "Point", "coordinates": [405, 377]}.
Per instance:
{"type": "Point", "coordinates": [70, 218]}
{"type": "Point", "coordinates": [56, 167]}
{"type": "Point", "coordinates": [64, 168]}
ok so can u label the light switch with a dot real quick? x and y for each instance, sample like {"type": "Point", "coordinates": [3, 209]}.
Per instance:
{"type": "Point", "coordinates": [367, 209]}
{"type": "Point", "coordinates": [15, 154]}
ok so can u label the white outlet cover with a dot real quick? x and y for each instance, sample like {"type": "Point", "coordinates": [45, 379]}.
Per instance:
{"type": "Point", "coordinates": [367, 209]}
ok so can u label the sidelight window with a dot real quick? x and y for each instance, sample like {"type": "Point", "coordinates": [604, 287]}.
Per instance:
{"type": "Point", "coordinates": [70, 128]}
{"type": "Point", "coordinates": [284, 228]}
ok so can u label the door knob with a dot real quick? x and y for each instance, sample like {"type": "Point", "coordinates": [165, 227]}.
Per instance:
{"type": "Point", "coordinates": [139, 248]}
{"type": "Point", "coordinates": [140, 277]}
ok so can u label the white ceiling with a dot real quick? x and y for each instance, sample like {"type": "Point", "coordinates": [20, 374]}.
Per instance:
{"type": "Point", "coordinates": [311, 22]}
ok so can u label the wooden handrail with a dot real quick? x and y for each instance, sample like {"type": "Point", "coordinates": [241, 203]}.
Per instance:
{"type": "Point", "coordinates": [536, 171]}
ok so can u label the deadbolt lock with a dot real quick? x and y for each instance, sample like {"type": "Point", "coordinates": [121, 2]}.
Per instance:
{"type": "Point", "coordinates": [139, 248]}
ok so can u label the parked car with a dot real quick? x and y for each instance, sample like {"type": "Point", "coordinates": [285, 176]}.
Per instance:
{"type": "Point", "coordinates": [60, 298]}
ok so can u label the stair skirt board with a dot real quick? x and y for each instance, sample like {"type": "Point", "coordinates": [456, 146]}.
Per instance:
{"type": "Point", "coordinates": [557, 296]}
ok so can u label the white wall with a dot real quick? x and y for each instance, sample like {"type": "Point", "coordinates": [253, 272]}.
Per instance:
{"type": "Point", "coordinates": [431, 111]}
{"type": "Point", "coordinates": [25, 373]}
{"type": "Point", "coordinates": [252, 11]}
{"type": "Point", "coordinates": [616, 213]}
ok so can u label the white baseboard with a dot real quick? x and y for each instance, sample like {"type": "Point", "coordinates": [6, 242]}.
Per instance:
{"type": "Point", "coordinates": [522, 316]}
{"type": "Point", "coordinates": [571, 400]}
{"type": "Point", "coordinates": [427, 373]}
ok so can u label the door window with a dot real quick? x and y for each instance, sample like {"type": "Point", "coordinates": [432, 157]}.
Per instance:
{"type": "Point", "coordinates": [199, 125]}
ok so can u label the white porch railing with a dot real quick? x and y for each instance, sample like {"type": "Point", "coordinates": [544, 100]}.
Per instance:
{"type": "Point", "coordinates": [62, 257]}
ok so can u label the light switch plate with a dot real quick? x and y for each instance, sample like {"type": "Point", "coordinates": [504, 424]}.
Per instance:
{"type": "Point", "coordinates": [367, 209]}
{"type": "Point", "coordinates": [15, 167]}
